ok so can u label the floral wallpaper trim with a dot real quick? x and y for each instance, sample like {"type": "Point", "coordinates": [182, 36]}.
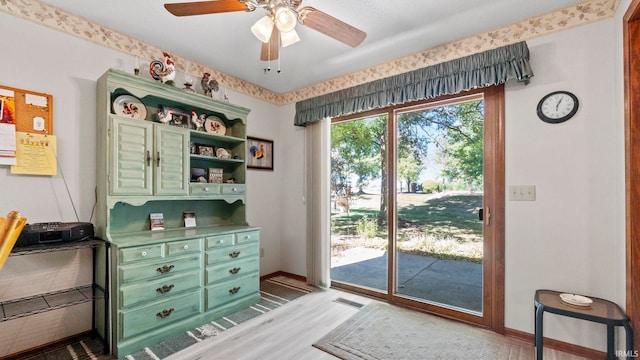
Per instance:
{"type": "Point", "coordinates": [583, 13]}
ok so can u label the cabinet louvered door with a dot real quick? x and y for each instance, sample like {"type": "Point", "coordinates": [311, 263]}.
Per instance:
{"type": "Point", "coordinates": [131, 148]}
{"type": "Point", "coordinates": [171, 160]}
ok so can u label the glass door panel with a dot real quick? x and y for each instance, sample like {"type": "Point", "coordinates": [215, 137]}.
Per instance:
{"type": "Point", "coordinates": [439, 194]}
{"type": "Point", "coordinates": [359, 203]}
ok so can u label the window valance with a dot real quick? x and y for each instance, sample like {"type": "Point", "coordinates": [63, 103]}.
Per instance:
{"type": "Point", "coordinates": [491, 67]}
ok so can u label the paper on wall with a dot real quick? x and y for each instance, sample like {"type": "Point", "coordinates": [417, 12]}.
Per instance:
{"type": "Point", "coordinates": [7, 144]}
{"type": "Point", "coordinates": [36, 154]}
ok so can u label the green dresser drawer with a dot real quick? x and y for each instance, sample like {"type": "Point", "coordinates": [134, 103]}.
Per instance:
{"type": "Point", "coordinates": [159, 314]}
{"type": "Point", "coordinates": [158, 270]}
{"type": "Point", "coordinates": [230, 189]}
{"type": "Point", "coordinates": [230, 291]}
{"type": "Point", "coordinates": [147, 252]}
{"type": "Point", "coordinates": [247, 237]}
{"type": "Point", "coordinates": [232, 253]}
{"type": "Point", "coordinates": [219, 241]}
{"type": "Point", "coordinates": [204, 189]}
{"type": "Point", "coordinates": [177, 248]}
{"type": "Point", "coordinates": [227, 271]}
{"type": "Point", "coordinates": [158, 289]}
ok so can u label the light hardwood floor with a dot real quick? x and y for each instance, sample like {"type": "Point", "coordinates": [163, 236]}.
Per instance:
{"type": "Point", "coordinates": [284, 333]}
{"type": "Point", "coordinates": [289, 331]}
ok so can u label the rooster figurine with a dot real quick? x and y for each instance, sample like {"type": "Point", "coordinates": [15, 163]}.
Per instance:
{"type": "Point", "coordinates": [198, 122]}
{"type": "Point", "coordinates": [205, 84]}
{"type": "Point", "coordinates": [164, 116]}
{"type": "Point", "coordinates": [163, 71]}
{"type": "Point", "coordinates": [208, 85]}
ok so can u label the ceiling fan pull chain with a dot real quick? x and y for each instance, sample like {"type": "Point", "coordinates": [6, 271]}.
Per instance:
{"type": "Point", "coordinates": [279, 46]}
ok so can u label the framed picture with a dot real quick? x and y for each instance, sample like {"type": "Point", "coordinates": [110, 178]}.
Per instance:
{"type": "Point", "coordinates": [259, 153]}
{"type": "Point", "coordinates": [205, 150]}
{"type": "Point", "coordinates": [215, 175]}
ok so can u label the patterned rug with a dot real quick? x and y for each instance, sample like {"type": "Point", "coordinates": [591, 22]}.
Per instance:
{"type": "Point", "coordinates": [383, 331]}
{"type": "Point", "coordinates": [275, 292]}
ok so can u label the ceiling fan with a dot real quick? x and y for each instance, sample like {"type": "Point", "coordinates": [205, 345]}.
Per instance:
{"type": "Point", "coordinates": [277, 28]}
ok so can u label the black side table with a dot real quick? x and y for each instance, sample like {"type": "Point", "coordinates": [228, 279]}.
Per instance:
{"type": "Point", "coordinates": [600, 311]}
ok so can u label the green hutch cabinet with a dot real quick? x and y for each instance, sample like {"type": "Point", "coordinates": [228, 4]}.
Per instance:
{"type": "Point", "coordinates": [165, 282]}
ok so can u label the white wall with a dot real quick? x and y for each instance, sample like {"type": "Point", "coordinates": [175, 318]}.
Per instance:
{"type": "Point", "coordinates": [572, 237]}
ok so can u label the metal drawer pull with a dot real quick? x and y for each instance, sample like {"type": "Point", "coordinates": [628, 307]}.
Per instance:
{"type": "Point", "coordinates": [234, 290]}
{"type": "Point", "coordinates": [164, 269]}
{"type": "Point", "coordinates": [234, 254]}
{"type": "Point", "coordinates": [235, 189]}
{"type": "Point", "coordinates": [148, 158]}
{"type": "Point", "coordinates": [158, 163]}
{"type": "Point", "coordinates": [164, 289]}
{"type": "Point", "coordinates": [144, 253]}
{"type": "Point", "coordinates": [234, 270]}
{"type": "Point", "coordinates": [186, 247]}
{"type": "Point", "coordinates": [206, 189]}
{"type": "Point", "coordinates": [247, 237]}
{"type": "Point", "coordinates": [164, 313]}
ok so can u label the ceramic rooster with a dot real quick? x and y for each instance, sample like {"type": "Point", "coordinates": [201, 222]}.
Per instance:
{"type": "Point", "coordinates": [205, 84]}
{"type": "Point", "coordinates": [163, 71]}
{"type": "Point", "coordinates": [164, 116]}
{"type": "Point", "coordinates": [198, 122]}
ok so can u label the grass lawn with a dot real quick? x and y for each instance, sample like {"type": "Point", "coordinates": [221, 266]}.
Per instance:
{"type": "Point", "coordinates": [440, 225]}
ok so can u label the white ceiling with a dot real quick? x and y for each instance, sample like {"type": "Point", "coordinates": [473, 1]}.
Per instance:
{"type": "Point", "coordinates": [395, 28]}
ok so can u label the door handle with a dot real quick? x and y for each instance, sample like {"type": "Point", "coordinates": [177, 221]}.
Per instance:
{"type": "Point", "coordinates": [481, 214]}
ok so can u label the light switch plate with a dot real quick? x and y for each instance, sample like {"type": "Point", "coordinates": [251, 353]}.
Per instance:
{"type": "Point", "coordinates": [522, 193]}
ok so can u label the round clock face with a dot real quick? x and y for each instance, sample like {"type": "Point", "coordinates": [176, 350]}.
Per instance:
{"type": "Point", "coordinates": [557, 107]}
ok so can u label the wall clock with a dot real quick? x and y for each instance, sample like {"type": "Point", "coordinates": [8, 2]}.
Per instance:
{"type": "Point", "coordinates": [557, 107]}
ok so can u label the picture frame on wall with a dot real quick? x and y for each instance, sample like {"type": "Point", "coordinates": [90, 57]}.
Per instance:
{"type": "Point", "coordinates": [259, 153]}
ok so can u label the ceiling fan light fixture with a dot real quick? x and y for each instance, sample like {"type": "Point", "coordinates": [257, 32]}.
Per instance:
{"type": "Point", "coordinates": [285, 19]}
{"type": "Point", "coordinates": [262, 29]}
{"type": "Point", "coordinates": [289, 38]}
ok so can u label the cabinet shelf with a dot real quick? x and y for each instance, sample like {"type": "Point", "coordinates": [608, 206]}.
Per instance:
{"type": "Point", "coordinates": [216, 159]}
{"type": "Point", "coordinates": [195, 134]}
{"type": "Point", "coordinates": [14, 309]}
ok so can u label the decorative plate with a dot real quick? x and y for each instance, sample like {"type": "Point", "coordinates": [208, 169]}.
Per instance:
{"type": "Point", "coordinates": [223, 153]}
{"type": "Point", "coordinates": [214, 125]}
{"type": "Point", "coordinates": [130, 106]}
{"type": "Point", "coordinates": [577, 300]}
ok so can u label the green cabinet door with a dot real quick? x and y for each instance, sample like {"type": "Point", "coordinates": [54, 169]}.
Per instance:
{"type": "Point", "coordinates": [148, 158]}
{"type": "Point", "coordinates": [131, 150]}
{"type": "Point", "coordinates": [171, 160]}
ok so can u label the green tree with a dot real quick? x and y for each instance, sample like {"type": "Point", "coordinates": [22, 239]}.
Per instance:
{"type": "Point", "coordinates": [464, 146]}
{"type": "Point", "coordinates": [361, 147]}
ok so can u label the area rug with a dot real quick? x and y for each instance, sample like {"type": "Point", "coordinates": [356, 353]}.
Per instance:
{"type": "Point", "coordinates": [380, 331]}
{"type": "Point", "coordinates": [275, 292]}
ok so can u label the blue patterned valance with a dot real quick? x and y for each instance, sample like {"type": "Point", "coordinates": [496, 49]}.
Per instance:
{"type": "Point", "coordinates": [491, 67]}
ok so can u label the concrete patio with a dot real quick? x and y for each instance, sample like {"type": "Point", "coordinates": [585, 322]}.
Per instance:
{"type": "Point", "coordinates": [450, 282]}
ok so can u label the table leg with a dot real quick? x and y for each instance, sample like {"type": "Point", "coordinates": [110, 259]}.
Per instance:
{"type": "Point", "coordinates": [629, 332]}
{"type": "Point", "coordinates": [538, 331]}
{"type": "Point", "coordinates": [610, 343]}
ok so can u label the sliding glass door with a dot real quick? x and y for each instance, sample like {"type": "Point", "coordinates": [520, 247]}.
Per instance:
{"type": "Point", "coordinates": [417, 195]}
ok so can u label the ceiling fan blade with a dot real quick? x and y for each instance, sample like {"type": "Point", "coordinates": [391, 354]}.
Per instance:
{"type": "Point", "coordinates": [205, 7]}
{"type": "Point", "coordinates": [331, 26]}
{"type": "Point", "coordinates": [270, 49]}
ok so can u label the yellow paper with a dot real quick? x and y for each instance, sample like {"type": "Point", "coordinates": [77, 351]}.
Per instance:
{"type": "Point", "coordinates": [35, 154]}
